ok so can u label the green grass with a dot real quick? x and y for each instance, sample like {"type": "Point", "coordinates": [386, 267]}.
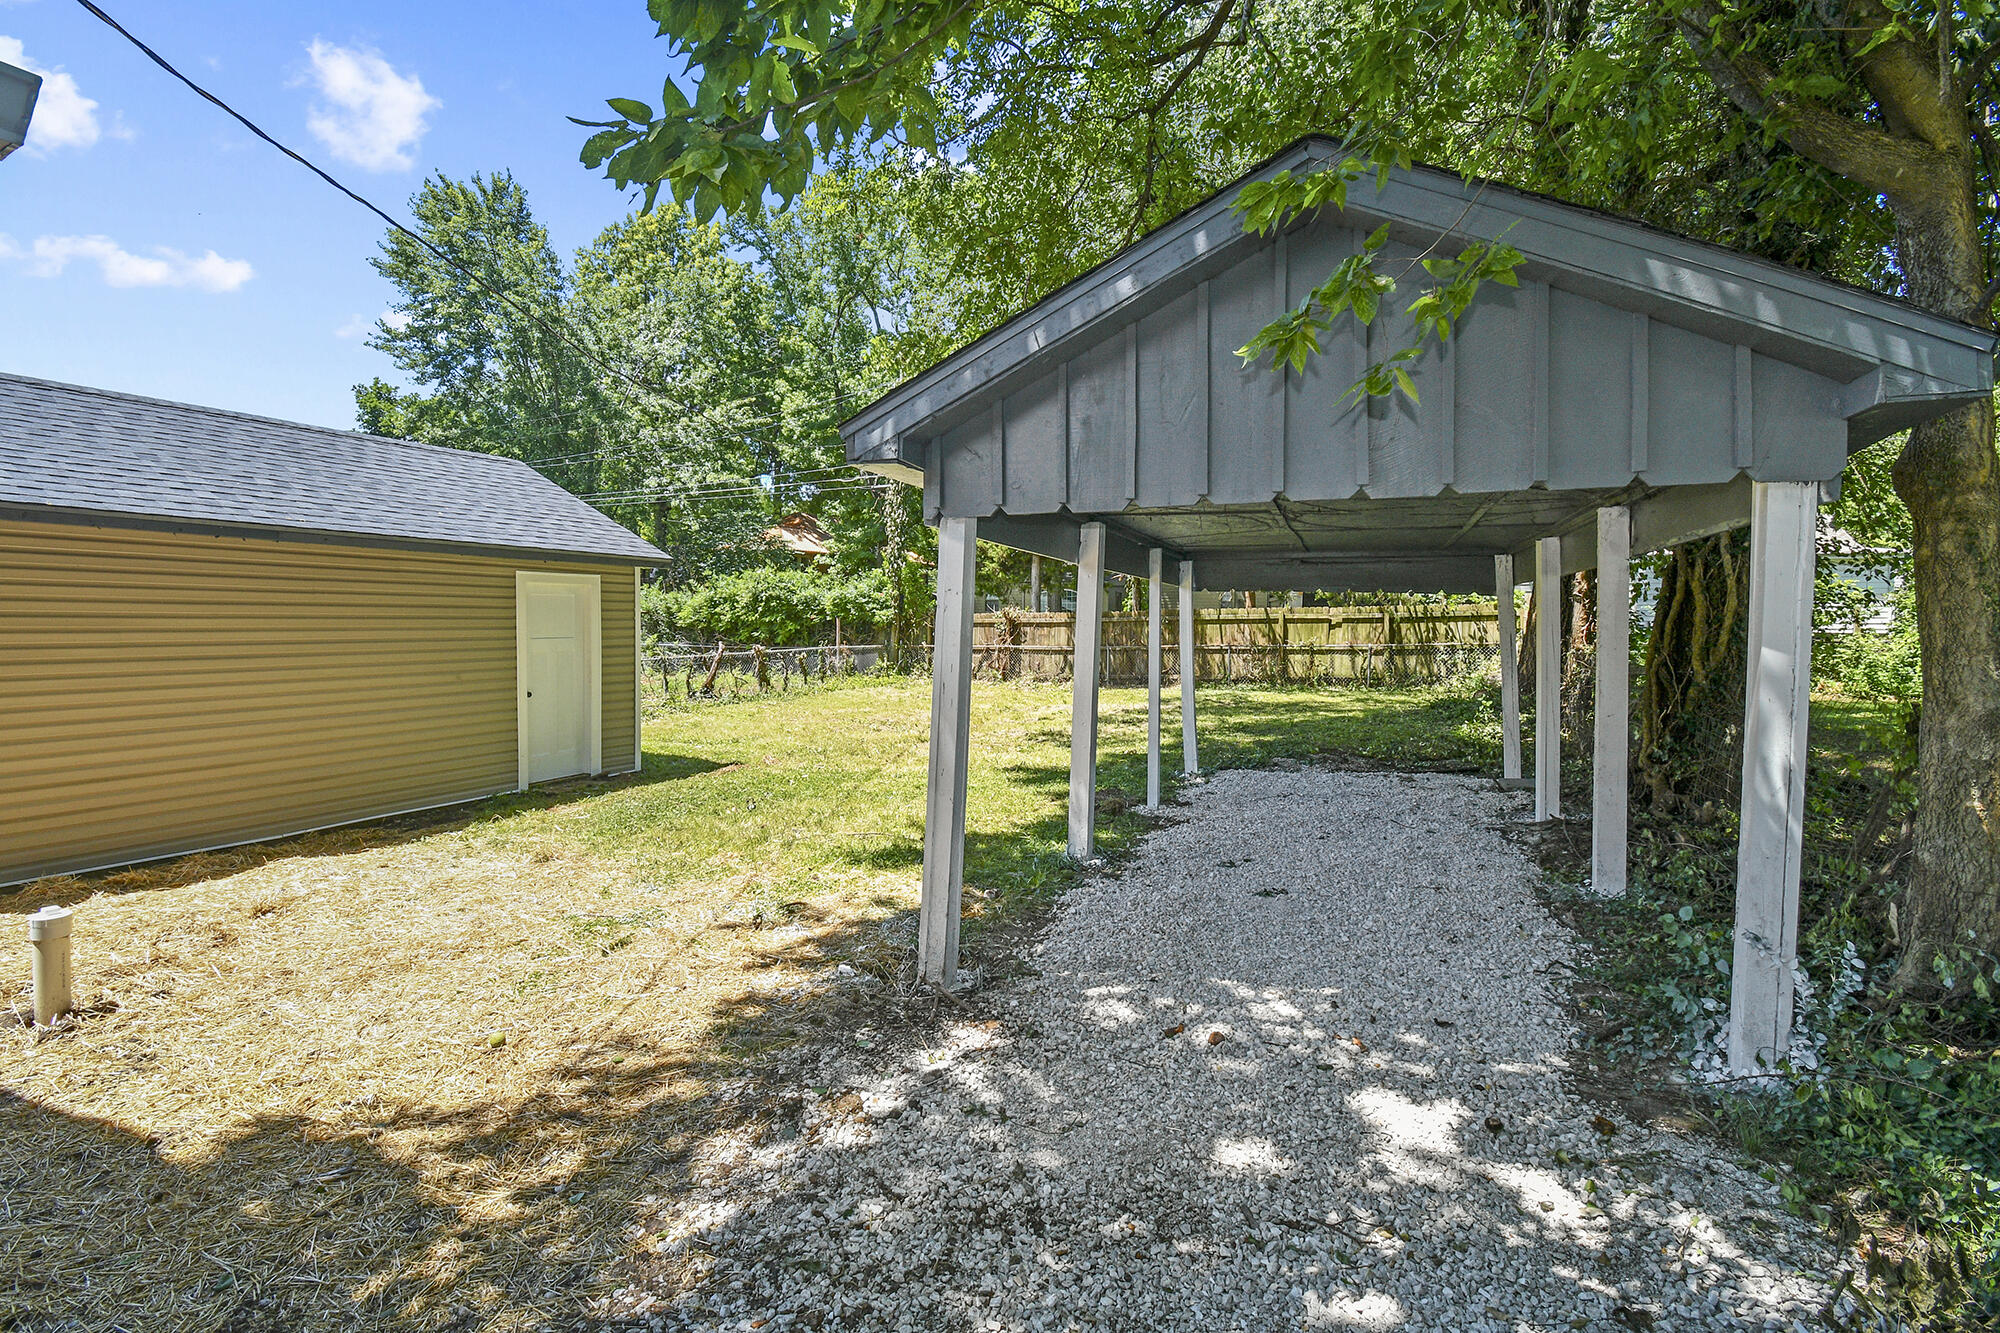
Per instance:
{"type": "Point", "coordinates": [634, 939]}
{"type": "Point", "coordinates": [791, 792]}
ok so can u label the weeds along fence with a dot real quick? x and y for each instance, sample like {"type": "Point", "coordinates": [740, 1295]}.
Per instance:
{"type": "Point", "coordinates": [1355, 646]}
{"type": "Point", "coordinates": [1353, 665]}
{"type": "Point", "coordinates": [683, 675]}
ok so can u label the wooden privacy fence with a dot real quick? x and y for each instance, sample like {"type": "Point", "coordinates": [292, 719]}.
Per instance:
{"type": "Point", "coordinates": [1358, 645]}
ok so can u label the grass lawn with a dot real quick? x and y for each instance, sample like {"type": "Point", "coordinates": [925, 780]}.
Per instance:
{"type": "Point", "coordinates": [424, 1074]}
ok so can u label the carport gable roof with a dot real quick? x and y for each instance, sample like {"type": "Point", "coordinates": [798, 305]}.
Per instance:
{"type": "Point", "coordinates": [74, 454]}
{"type": "Point", "coordinates": [1880, 364]}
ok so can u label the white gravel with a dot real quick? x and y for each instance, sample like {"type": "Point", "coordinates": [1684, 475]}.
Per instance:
{"type": "Point", "coordinates": [1254, 1087]}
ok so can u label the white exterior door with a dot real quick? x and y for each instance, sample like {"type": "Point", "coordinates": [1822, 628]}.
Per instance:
{"type": "Point", "coordinates": [558, 675]}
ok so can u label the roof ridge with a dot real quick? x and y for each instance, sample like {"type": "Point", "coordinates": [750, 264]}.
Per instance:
{"type": "Point", "coordinates": [878, 417]}
{"type": "Point", "coordinates": [120, 395]}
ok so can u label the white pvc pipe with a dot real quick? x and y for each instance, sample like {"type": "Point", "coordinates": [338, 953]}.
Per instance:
{"type": "Point", "coordinates": [48, 934]}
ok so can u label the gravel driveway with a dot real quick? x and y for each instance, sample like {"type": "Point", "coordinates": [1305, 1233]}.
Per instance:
{"type": "Point", "coordinates": [1299, 1065]}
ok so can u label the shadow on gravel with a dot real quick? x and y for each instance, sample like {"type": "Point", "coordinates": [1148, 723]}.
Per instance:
{"type": "Point", "coordinates": [1380, 1147]}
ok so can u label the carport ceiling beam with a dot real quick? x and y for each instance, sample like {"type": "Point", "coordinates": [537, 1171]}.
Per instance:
{"type": "Point", "coordinates": [1058, 536]}
{"type": "Point", "coordinates": [1665, 518]}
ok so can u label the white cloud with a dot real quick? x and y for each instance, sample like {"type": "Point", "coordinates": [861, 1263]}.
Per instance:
{"type": "Point", "coordinates": [64, 117]}
{"type": "Point", "coordinates": [371, 116]}
{"type": "Point", "coordinates": [164, 267]}
{"type": "Point", "coordinates": [360, 326]}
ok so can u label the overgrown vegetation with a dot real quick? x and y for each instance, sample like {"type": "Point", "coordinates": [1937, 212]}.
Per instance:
{"type": "Point", "coordinates": [1886, 1125]}
{"type": "Point", "coordinates": [765, 604]}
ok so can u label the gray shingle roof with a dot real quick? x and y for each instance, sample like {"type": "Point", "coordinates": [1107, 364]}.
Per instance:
{"type": "Point", "coordinates": [76, 452]}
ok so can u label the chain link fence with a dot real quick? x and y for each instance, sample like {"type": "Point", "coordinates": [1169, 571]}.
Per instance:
{"type": "Point", "coordinates": [683, 674]}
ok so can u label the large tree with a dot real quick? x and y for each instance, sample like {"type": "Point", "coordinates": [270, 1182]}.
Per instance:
{"type": "Point", "coordinates": [689, 329]}
{"type": "Point", "coordinates": [1848, 135]}
{"type": "Point", "coordinates": [479, 325]}
{"type": "Point", "coordinates": [686, 378]}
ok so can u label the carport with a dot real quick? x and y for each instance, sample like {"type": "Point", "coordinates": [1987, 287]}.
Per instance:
{"type": "Point", "coordinates": [1636, 390]}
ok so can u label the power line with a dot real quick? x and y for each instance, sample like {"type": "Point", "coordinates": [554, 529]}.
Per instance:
{"type": "Point", "coordinates": [499, 294]}
{"type": "Point", "coordinates": [243, 120]}
{"type": "Point", "coordinates": [733, 485]}
{"type": "Point", "coordinates": [668, 493]}
{"type": "Point", "coordinates": [816, 478]}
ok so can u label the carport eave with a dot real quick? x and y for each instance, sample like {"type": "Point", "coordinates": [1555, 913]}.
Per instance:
{"type": "Point", "coordinates": [1899, 363]}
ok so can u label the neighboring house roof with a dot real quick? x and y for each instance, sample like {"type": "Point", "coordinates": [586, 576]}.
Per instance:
{"type": "Point", "coordinates": [801, 535]}
{"type": "Point", "coordinates": [77, 454]}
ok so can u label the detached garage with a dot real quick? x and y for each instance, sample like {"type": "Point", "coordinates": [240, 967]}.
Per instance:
{"type": "Point", "coordinates": [218, 628]}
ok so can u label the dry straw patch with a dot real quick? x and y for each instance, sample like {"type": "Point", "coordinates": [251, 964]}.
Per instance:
{"type": "Point", "coordinates": [283, 1107]}
{"type": "Point", "coordinates": [380, 1077]}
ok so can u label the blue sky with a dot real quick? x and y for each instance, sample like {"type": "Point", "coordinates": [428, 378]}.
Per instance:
{"type": "Point", "coordinates": [149, 243]}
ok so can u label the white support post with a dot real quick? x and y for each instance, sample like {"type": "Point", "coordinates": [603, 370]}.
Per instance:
{"type": "Point", "coordinates": [951, 718]}
{"type": "Point", "coordinates": [1154, 649]}
{"type": "Point", "coordinates": [1774, 770]}
{"type": "Point", "coordinates": [1034, 583]}
{"type": "Point", "coordinates": [1190, 759]}
{"type": "Point", "coordinates": [1548, 678]}
{"type": "Point", "coordinates": [1083, 692]}
{"type": "Point", "coordinates": [1609, 794]}
{"type": "Point", "coordinates": [1510, 670]}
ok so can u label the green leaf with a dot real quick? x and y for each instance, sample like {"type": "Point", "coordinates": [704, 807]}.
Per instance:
{"type": "Point", "coordinates": [631, 110]}
{"type": "Point", "coordinates": [602, 145]}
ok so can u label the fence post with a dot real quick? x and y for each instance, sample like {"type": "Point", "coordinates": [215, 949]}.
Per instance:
{"type": "Point", "coordinates": [714, 668]}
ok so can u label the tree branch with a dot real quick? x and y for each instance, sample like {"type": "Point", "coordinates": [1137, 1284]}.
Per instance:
{"type": "Point", "coordinates": [1890, 164]}
{"type": "Point", "coordinates": [1197, 50]}
{"type": "Point", "coordinates": [834, 89]}
{"type": "Point", "coordinates": [1914, 91]}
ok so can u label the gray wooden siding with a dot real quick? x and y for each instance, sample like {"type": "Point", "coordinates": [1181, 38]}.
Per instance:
{"type": "Point", "coordinates": [1542, 387]}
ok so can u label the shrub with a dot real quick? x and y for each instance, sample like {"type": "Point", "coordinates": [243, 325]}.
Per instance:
{"type": "Point", "coordinates": [1868, 665]}
{"type": "Point", "coordinates": [766, 604]}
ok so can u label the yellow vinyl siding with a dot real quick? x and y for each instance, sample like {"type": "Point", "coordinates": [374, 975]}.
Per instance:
{"type": "Point", "coordinates": [161, 692]}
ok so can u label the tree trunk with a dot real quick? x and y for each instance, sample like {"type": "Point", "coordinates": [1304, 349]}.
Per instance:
{"type": "Point", "coordinates": [1691, 698]}
{"type": "Point", "coordinates": [1579, 664]}
{"type": "Point", "coordinates": [1947, 476]}
{"type": "Point", "coordinates": [1952, 906]}
{"type": "Point", "coordinates": [1918, 153]}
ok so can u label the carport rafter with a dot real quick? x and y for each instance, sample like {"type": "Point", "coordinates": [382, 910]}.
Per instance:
{"type": "Point", "coordinates": [1636, 390]}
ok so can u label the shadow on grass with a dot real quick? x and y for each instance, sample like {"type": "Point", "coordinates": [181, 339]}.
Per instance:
{"type": "Point", "coordinates": [288, 1223]}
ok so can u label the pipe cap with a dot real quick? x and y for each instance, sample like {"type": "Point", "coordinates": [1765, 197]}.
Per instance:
{"type": "Point", "coordinates": [49, 923]}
